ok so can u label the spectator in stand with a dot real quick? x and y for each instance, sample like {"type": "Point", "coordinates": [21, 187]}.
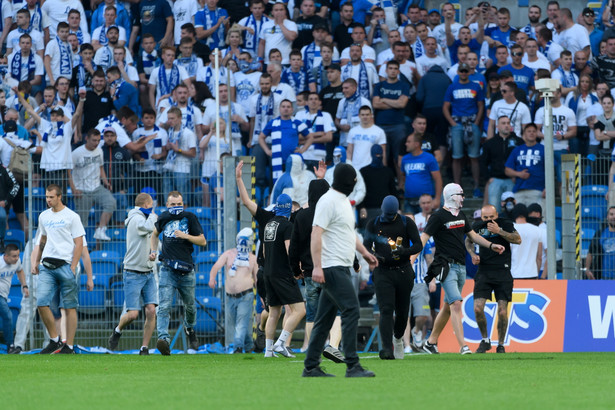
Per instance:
{"type": "Point", "coordinates": [526, 257]}
{"type": "Point", "coordinates": [330, 96]}
{"type": "Point", "coordinates": [98, 102]}
{"type": "Point", "coordinates": [296, 75]}
{"type": "Point", "coordinates": [154, 17]}
{"type": "Point", "coordinates": [85, 182]}
{"type": "Point", "coordinates": [439, 32]}
{"type": "Point", "coordinates": [523, 75]}
{"type": "Point", "coordinates": [236, 118]}
{"type": "Point", "coordinates": [603, 66]}
{"type": "Point", "coordinates": [379, 183]}
{"type": "Point", "coordinates": [347, 115]}
{"type": "Point", "coordinates": [122, 18]}
{"type": "Point", "coordinates": [278, 33]}
{"type": "Point", "coordinates": [284, 90]}
{"type": "Point", "coordinates": [307, 20]}
{"type": "Point", "coordinates": [419, 127]}
{"type": "Point", "coordinates": [421, 175]}
{"type": "Point", "coordinates": [166, 77]}
{"type": "Point", "coordinates": [24, 27]}
{"type": "Point", "coordinates": [368, 55]}
{"type": "Point", "coordinates": [188, 59]}
{"type": "Point", "coordinates": [494, 153]}
{"type": "Point", "coordinates": [501, 60]}
{"type": "Point", "coordinates": [430, 96]}
{"type": "Point", "coordinates": [118, 169]}
{"type": "Point", "coordinates": [510, 106]}
{"type": "Point", "coordinates": [148, 168]}
{"type": "Point", "coordinates": [99, 34]}
{"type": "Point", "coordinates": [104, 55]}
{"type": "Point", "coordinates": [431, 58]}
{"type": "Point", "coordinates": [363, 72]}
{"type": "Point", "coordinates": [548, 48]}
{"type": "Point", "coordinates": [342, 33]}
{"type": "Point", "coordinates": [579, 101]}
{"type": "Point", "coordinates": [321, 127]}
{"type": "Point", "coordinates": [564, 128]}
{"type": "Point", "coordinates": [56, 12]}
{"type": "Point", "coordinates": [462, 55]}
{"type": "Point", "coordinates": [527, 165]}
{"type": "Point", "coordinates": [211, 25]}
{"type": "Point", "coordinates": [600, 260]}
{"type": "Point", "coordinates": [74, 25]}
{"type": "Point", "coordinates": [533, 15]}
{"type": "Point", "coordinates": [500, 35]}
{"type": "Point", "coordinates": [192, 118]}
{"type": "Point", "coordinates": [252, 26]}
{"type": "Point", "coordinates": [246, 80]}
{"type": "Point", "coordinates": [84, 71]}
{"type": "Point", "coordinates": [378, 31]}
{"type": "Point", "coordinates": [58, 57]}
{"type": "Point", "coordinates": [465, 38]}
{"type": "Point", "coordinates": [362, 137]}
{"type": "Point", "coordinates": [463, 108]}
{"type": "Point", "coordinates": [532, 59]}
{"type": "Point", "coordinates": [181, 148]}
{"type": "Point", "coordinates": [390, 99]}
{"type": "Point", "coordinates": [318, 73]}
{"type": "Point", "coordinates": [565, 74]}
{"type": "Point", "coordinates": [122, 92]}
{"type": "Point", "coordinates": [572, 36]}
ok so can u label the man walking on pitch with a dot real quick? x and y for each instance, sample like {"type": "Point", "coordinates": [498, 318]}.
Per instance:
{"type": "Point", "coordinates": [448, 225]}
{"type": "Point", "coordinates": [180, 231]}
{"type": "Point", "coordinates": [334, 242]}
{"type": "Point", "coordinates": [61, 244]}
{"type": "Point", "coordinates": [139, 280]}
{"type": "Point", "coordinates": [493, 273]}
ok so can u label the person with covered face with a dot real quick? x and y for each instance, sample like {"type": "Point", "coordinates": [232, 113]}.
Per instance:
{"type": "Point", "coordinates": [393, 238]}
{"type": "Point", "coordinates": [239, 281]}
{"type": "Point", "coordinates": [447, 226]}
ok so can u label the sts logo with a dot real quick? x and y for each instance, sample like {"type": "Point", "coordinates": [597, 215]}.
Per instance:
{"type": "Point", "coordinates": [526, 319]}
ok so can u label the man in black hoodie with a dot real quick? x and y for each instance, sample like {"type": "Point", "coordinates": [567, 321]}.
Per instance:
{"type": "Point", "coordinates": [393, 238]}
{"type": "Point", "coordinates": [301, 261]}
{"type": "Point", "coordinates": [9, 187]}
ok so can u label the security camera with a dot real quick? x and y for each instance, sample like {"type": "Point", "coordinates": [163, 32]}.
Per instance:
{"type": "Point", "coordinates": [547, 85]}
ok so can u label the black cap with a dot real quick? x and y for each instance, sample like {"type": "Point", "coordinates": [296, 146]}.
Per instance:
{"type": "Point", "coordinates": [58, 111]}
{"type": "Point", "coordinates": [463, 67]}
{"type": "Point", "coordinates": [587, 10]}
{"type": "Point", "coordinates": [10, 126]}
{"type": "Point", "coordinates": [493, 76]}
{"type": "Point", "coordinates": [506, 74]}
{"type": "Point", "coordinates": [534, 208]}
{"type": "Point", "coordinates": [333, 66]}
{"type": "Point", "coordinates": [320, 26]}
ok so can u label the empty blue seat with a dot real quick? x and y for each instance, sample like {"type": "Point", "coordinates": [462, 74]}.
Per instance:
{"type": "Point", "coordinates": [117, 242]}
{"type": "Point", "coordinates": [105, 262]}
{"type": "Point", "coordinates": [208, 314]}
{"type": "Point", "coordinates": [592, 212]}
{"type": "Point", "coordinates": [590, 223]}
{"type": "Point", "coordinates": [93, 302]}
{"type": "Point", "coordinates": [15, 236]}
{"type": "Point", "coordinates": [594, 190]}
{"type": "Point", "coordinates": [203, 214]}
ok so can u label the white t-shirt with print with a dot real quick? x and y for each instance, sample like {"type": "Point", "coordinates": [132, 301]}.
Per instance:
{"type": "Point", "coordinates": [363, 139]}
{"type": "Point", "coordinates": [61, 228]}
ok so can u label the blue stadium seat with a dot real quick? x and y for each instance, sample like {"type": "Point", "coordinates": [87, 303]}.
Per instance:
{"type": "Point", "coordinates": [93, 302]}
{"type": "Point", "coordinates": [558, 237]}
{"type": "Point", "coordinates": [203, 214]}
{"type": "Point", "coordinates": [15, 236]}
{"type": "Point", "coordinates": [105, 262]}
{"type": "Point", "coordinates": [590, 223]}
{"type": "Point", "coordinates": [117, 293]}
{"type": "Point", "coordinates": [117, 242]}
{"type": "Point", "coordinates": [208, 314]}
{"type": "Point", "coordinates": [594, 190]}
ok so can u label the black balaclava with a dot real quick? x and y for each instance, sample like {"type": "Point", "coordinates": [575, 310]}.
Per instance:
{"type": "Point", "coordinates": [344, 178]}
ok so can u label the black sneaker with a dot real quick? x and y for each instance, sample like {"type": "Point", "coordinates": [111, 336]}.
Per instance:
{"type": "Point", "coordinates": [193, 343]}
{"type": "Point", "coordinates": [238, 351]}
{"type": "Point", "coordinates": [333, 354]}
{"type": "Point", "coordinates": [64, 350]}
{"type": "Point", "coordinates": [386, 355]}
{"type": "Point", "coordinates": [483, 347]}
{"type": "Point", "coordinates": [163, 347]}
{"type": "Point", "coordinates": [144, 351]}
{"type": "Point", "coordinates": [113, 341]}
{"type": "Point", "coordinates": [315, 372]}
{"type": "Point", "coordinates": [358, 371]}
{"type": "Point", "coordinates": [500, 349]}
{"type": "Point", "coordinates": [429, 348]}
{"type": "Point", "coordinates": [259, 342]}
{"type": "Point", "coordinates": [51, 347]}
{"type": "Point", "coordinates": [14, 350]}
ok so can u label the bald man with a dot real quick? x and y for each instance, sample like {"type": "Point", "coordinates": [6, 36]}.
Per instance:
{"type": "Point", "coordinates": [493, 273]}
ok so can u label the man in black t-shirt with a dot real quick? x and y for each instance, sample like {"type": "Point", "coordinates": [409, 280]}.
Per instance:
{"type": "Point", "coordinates": [493, 273]}
{"type": "Point", "coordinates": [330, 96]}
{"type": "Point", "coordinates": [282, 288]}
{"type": "Point", "coordinates": [448, 225]}
{"type": "Point", "coordinates": [180, 231]}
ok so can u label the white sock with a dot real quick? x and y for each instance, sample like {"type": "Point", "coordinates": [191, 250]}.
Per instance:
{"type": "Point", "coordinates": [55, 339]}
{"type": "Point", "coordinates": [268, 344]}
{"type": "Point", "coordinates": [144, 347]}
{"type": "Point", "coordinates": [486, 340]}
{"type": "Point", "coordinates": [283, 337]}
{"type": "Point", "coordinates": [70, 346]}
{"type": "Point", "coordinates": [117, 329]}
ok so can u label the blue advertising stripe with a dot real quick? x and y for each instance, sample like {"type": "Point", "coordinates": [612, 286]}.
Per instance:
{"type": "Point", "coordinates": [590, 316]}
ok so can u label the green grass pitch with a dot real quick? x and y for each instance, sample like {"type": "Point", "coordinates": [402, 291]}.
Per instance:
{"type": "Point", "coordinates": [446, 381]}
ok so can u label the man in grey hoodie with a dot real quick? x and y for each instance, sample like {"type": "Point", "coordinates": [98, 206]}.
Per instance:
{"type": "Point", "coordinates": [139, 279]}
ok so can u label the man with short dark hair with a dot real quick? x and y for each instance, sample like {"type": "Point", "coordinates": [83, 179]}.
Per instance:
{"type": "Point", "coordinates": [9, 265]}
{"type": "Point", "coordinates": [603, 66]}
{"type": "Point", "coordinates": [180, 231]}
{"type": "Point", "coordinates": [523, 75]}
{"type": "Point", "coordinates": [527, 165]}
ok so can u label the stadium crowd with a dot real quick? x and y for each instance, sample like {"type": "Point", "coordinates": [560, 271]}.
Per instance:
{"type": "Point", "coordinates": [409, 97]}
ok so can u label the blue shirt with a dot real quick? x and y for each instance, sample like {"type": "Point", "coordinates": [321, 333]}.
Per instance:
{"type": "Point", "coordinates": [216, 39]}
{"type": "Point", "coordinates": [464, 98]}
{"type": "Point", "coordinates": [607, 241]}
{"type": "Point", "coordinates": [498, 35]}
{"type": "Point", "coordinates": [127, 95]}
{"type": "Point", "coordinates": [153, 17]}
{"type": "Point", "coordinates": [393, 91]}
{"type": "Point", "coordinates": [532, 159]}
{"type": "Point", "coordinates": [473, 44]}
{"type": "Point", "coordinates": [418, 171]}
{"type": "Point", "coordinates": [524, 77]}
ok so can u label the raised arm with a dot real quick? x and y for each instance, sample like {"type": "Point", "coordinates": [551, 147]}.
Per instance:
{"type": "Point", "coordinates": [243, 193]}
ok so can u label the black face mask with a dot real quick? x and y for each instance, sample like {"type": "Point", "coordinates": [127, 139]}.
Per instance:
{"type": "Point", "coordinates": [344, 178]}
{"type": "Point", "coordinates": [534, 220]}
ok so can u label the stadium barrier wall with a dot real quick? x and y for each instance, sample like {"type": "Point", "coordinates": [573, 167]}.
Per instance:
{"type": "Point", "coordinates": [544, 316]}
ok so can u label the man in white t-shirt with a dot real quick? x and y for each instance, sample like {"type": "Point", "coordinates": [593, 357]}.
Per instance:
{"type": "Point", "coordinates": [10, 265]}
{"type": "Point", "coordinates": [282, 89]}
{"type": "Point", "coordinates": [192, 118]}
{"type": "Point", "coordinates": [23, 27]}
{"type": "Point", "coordinates": [85, 182]}
{"type": "Point", "coordinates": [362, 137]}
{"type": "Point", "coordinates": [277, 33]}
{"type": "Point", "coordinates": [56, 11]}
{"type": "Point", "coordinates": [334, 242]}
{"type": "Point", "coordinates": [61, 245]}
{"type": "Point", "coordinates": [320, 125]}
{"type": "Point", "coordinates": [518, 112]}
{"type": "Point", "coordinates": [24, 64]}
{"type": "Point", "coordinates": [238, 119]}
{"type": "Point", "coordinates": [183, 13]}
{"type": "Point", "coordinates": [58, 56]}
{"type": "Point", "coordinates": [166, 77]}
{"type": "Point", "coordinates": [364, 73]}
{"type": "Point", "coordinates": [430, 58]}
{"type": "Point", "coordinates": [532, 58]}
{"type": "Point", "coordinates": [246, 81]}
{"type": "Point", "coordinates": [572, 36]}
{"type": "Point", "coordinates": [368, 55]}
{"type": "Point", "coordinates": [526, 257]}
{"type": "Point", "coordinates": [148, 171]}
{"type": "Point", "coordinates": [181, 148]}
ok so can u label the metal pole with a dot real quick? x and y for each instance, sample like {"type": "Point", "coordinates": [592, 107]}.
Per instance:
{"type": "Point", "coordinates": [230, 225]}
{"type": "Point", "coordinates": [549, 185]}
{"type": "Point", "coordinates": [229, 126]}
{"type": "Point", "coordinates": [26, 258]}
{"type": "Point", "coordinates": [219, 177]}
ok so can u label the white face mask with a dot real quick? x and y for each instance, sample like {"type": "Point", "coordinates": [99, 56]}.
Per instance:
{"type": "Point", "coordinates": [453, 198]}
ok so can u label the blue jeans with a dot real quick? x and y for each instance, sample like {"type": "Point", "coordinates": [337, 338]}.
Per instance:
{"type": "Point", "coordinates": [50, 280]}
{"type": "Point", "coordinates": [497, 187]}
{"type": "Point", "coordinates": [169, 281]}
{"type": "Point", "coordinates": [453, 284]}
{"type": "Point", "coordinates": [7, 321]}
{"type": "Point", "coordinates": [2, 223]}
{"type": "Point", "coordinates": [137, 285]}
{"type": "Point", "coordinates": [239, 311]}
{"type": "Point", "coordinates": [458, 144]}
{"type": "Point", "coordinates": [312, 293]}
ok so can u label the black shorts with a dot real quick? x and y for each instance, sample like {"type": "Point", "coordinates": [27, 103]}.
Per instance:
{"type": "Point", "coordinates": [261, 289]}
{"type": "Point", "coordinates": [282, 290]}
{"type": "Point", "coordinates": [499, 282]}
{"type": "Point", "coordinates": [18, 201]}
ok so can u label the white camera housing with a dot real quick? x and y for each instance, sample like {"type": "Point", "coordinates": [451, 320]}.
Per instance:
{"type": "Point", "coordinates": [547, 85]}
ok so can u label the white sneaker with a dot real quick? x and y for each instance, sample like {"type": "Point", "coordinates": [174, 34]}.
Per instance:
{"type": "Point", "coordinates": [465, 350]}
{"type": "Point", "coordinates": [407, 349]}
{"type": "Point", "coordinates": [417, 337]}
{"type": "Point", "coordinates": [283, 350]}
{"type": "Point", "coordinates": [269, 353]}
{"type": "Point", "coordinates": [101, 234]}
{"type": "Point", "coordinates": [398, 348]}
